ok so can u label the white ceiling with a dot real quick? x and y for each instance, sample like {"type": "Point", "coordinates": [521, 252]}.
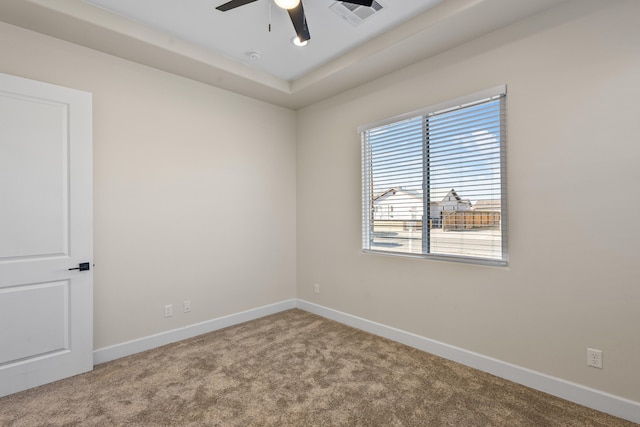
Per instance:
{"type": "Point", "coordinates": [192, 39]}
{"type": "Point", "coordinates": [238, 32]}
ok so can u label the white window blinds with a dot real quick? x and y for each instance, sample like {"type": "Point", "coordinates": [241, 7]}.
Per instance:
{"type": "Point", "coordinates": [434, 181]}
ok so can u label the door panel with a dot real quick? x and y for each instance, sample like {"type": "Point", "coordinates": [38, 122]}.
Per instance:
{"type": "Point", "coordinates": [41, 310]}
{"type": "Point", "coordinates": [36, 157]}
{"type": "Point", "coordinates": [46, 310]}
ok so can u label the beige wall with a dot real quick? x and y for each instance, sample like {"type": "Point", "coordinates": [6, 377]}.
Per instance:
{"type": "Point", "coordinates": [194, 190]}
{"type": "Point", "coordinates": [573, 152]}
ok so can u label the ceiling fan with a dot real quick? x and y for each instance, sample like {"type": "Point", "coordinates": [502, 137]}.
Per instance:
{"type": "Point", "coordinates": [295, 10]}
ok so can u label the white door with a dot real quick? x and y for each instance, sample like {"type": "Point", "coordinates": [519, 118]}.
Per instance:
{"type": "Point", "coordinates": [46, 309]}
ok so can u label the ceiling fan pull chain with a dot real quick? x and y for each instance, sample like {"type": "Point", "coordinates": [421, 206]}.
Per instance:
{"type": "Point", "coordinates": [269, 16]}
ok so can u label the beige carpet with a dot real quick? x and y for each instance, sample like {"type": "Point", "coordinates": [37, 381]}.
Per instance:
{"type": "Point", "coordinates": [290, 369]}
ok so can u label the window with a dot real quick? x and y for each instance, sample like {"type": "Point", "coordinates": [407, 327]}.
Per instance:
{"type": "Point", "coordinates": [433, 181]}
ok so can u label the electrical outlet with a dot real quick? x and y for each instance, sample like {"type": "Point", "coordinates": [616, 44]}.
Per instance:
{"type": "Point", "coordinates": [316, 288]}
{"type": "Point", "coordinates": [168, 310]}
{"type": "Point", "coordinates": [186, 306]}
{"type": "Point", "coordinates": [594, 358]}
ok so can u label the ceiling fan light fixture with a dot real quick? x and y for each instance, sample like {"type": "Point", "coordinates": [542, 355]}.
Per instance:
{"type": "Point", "coordinates": [296, 41]}
{"type": "Point", "coordinates": [287, 4]}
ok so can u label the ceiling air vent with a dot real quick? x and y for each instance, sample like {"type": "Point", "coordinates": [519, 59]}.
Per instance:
{"type": "Point", "coordinates": [354, 13]}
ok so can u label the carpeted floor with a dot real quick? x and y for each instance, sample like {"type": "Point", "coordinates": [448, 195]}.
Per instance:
{"type": "Point", "coordinates": [290, 369]}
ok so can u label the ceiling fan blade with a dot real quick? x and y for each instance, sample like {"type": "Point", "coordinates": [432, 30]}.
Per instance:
{"type": "Point", "coordinates": [299, 22]}
{"type": "Point", "coordinates": [368, 3]}
{"type": "Point", "coordinates": [233, 4]}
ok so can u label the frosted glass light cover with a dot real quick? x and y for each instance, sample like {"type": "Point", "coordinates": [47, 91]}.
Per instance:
{"type": "Point", "coordinates": [287, 4]}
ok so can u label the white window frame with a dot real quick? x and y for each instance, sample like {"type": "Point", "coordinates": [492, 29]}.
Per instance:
{"type": "Point", "coordinates": [498, 92]}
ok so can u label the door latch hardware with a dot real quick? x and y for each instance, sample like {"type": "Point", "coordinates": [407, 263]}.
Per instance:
{"type": "Point", "coordinates": [83, 266]}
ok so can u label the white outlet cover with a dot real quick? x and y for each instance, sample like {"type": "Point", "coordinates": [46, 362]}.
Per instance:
{"type": "Point", "coordinates": [594, 358]}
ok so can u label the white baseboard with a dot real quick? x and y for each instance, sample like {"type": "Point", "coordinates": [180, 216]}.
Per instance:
{"type": "Point", "coordinates": [128, 348]}
{"type": "Point", "coordinates": [591, 398]}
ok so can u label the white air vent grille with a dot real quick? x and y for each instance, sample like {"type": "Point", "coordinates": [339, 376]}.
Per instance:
{"type": "Point", "coordinates": [355, 13]}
